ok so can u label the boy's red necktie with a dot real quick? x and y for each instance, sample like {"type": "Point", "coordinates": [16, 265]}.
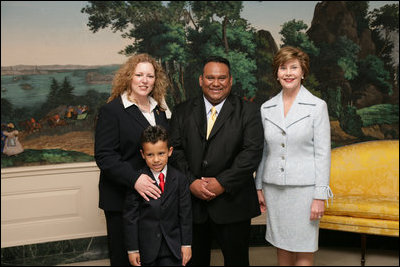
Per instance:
{"type": "Point", "coordinates": [162, 183]}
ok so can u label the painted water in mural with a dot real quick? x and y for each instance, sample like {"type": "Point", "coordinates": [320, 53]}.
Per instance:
{"type": "Point", "coordinates": [53, 109]}
{"type": "Point", "coordinates": [354, 68]}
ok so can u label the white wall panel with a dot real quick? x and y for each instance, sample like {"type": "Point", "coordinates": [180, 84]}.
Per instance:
{"type": "Point", "coordinates": [50, 203]}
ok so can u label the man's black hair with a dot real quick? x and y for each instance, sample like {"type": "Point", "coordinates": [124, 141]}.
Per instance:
{"type": "Point", "coordinates": [219, 60]}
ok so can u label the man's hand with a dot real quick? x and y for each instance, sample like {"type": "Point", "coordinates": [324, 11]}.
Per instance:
{"type": "Point", "coordinates": [186, 254]}
{"type": "Point", "coordinates": [199, 190]}
{"type": "Point", "coordinates": [134, 259]}
{"type": "Point", "coordinates": [213, 186]}
{"type": "Point", "coordinates": [146, 186]}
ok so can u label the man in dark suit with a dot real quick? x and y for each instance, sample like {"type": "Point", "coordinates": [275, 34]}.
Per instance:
{"type": "Point", "coordinates": [218, 141]}
{"type": "Point", "coordinates": [159, 232]}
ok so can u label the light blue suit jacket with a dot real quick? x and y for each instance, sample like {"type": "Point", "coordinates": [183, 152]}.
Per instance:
{"type": "Point", "coordinates": [297, 149]}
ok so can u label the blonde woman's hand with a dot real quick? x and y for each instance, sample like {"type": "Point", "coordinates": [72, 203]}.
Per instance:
{"type": "Point", "coordinates": [147, 187]}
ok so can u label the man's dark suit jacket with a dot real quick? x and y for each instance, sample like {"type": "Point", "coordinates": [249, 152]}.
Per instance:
{"type": "Point", "coordinates": [170, 216]}
{"type": "Point", "coordinates": [231, 154]}
{"type": "Point", "coordinates": [117, 150]}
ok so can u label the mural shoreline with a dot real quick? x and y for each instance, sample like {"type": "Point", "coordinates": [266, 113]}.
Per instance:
{"type": "Point", "coordinates": [53, 108]}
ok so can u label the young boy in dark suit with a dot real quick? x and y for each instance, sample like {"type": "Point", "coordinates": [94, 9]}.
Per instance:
{"type": "Point", "coordinates": [159, 232]}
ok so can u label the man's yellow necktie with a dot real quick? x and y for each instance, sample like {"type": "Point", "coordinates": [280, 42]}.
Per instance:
{"type": "Point", "coordinates": [211, 121]}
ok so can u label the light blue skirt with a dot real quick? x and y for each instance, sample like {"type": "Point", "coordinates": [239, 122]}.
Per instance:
{"type": "Point", "coordinates": [288, 218]}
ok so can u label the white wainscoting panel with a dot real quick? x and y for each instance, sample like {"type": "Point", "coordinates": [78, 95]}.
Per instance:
{"type": "Point", "coordinates": [50, 203]}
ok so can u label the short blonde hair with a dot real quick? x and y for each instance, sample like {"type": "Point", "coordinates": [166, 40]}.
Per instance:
{"type": "Point", "coordinates": [123, 79]}
{"type": "Point", "coordinates": [287, 53]}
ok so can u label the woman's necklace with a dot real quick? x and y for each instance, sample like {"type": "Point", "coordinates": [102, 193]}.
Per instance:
{"type": "Point", "coordinates": [143, 107]}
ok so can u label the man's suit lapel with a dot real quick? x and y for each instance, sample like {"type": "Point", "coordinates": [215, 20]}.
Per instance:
{"type": "Point", "coordinates": [225, 113]}
{"type": "Point", "coordinates": [199, 114]}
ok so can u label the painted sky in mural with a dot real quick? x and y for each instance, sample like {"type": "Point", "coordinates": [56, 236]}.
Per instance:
{"type": "Point", "coordinates": [55, 32]}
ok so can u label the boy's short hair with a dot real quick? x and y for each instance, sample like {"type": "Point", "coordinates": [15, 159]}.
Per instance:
{"type": "Point", "coordinates": [153, 134]}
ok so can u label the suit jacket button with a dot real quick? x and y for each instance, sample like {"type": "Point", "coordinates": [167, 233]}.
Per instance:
{"type": "Point", "coordinates": [282, 169]}
{"type": "Point", "coordinates": [205, 163]}
{"type": "Point", "coordinates": [158, 235]}
{"type": "Point", "coordinates": [283, 145]}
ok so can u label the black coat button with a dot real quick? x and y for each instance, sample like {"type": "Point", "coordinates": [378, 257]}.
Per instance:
{"type": "Point", "coordinates": [204, 163]}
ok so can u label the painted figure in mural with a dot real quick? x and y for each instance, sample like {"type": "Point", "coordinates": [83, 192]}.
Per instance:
{"type": "Point", "coordinates": [12, 146]}
{"type": "Point", "coordinates": [295, 167]}
{"type": "Point", "coordinates": [159, 232]}
{"type": "Point", "coordinates": [3, 136]}
{"type": "Point", "coordinates": [219, 160]}
{"type": "Point", "coordinates": [30, 126]}
{"type": "Point", "coordinates": [136, 101]}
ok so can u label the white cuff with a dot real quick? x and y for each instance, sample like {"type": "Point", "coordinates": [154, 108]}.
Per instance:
{"type": "Point", "coordinates": [323, 192]}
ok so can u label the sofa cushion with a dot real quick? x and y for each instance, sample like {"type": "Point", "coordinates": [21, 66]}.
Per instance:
{"type": "Point", "coordinates": [364, 207]}
{"type": "Point", "coordinates": [360, 225]}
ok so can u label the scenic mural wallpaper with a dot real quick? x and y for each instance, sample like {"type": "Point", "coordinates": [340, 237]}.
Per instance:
{"type": "Point", "coordinates": [54, 77]}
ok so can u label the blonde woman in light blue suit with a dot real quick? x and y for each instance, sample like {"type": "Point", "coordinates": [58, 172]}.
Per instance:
{"type": "Point", "coordinates": [293, 177]}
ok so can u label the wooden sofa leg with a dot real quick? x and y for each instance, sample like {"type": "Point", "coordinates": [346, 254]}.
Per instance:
{"type": "Point", "coordinates": [363, 248]}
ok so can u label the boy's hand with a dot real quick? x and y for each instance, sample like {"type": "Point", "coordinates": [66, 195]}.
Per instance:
{"type": "Point", "coordinates": [134, 259]}
{"type": "Point", "coordinates": [186, 254]}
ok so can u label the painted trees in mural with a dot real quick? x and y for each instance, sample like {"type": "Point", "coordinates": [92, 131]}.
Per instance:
{"type": "Point", "coordinates": [353, 76]}
{"type": "Point", "coordinates": [351, 63]}
{"type": "Point", "coordinates": [181, 34]}
{"type": "Point", "coordinates": [351, 53]}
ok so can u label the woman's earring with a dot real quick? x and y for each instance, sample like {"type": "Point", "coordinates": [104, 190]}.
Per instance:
{"type": "Point", "coordinates": [302, 78]}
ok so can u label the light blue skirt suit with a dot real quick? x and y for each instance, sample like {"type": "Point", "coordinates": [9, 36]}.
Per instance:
{"type": "Point", "coordinates": [294, 169]}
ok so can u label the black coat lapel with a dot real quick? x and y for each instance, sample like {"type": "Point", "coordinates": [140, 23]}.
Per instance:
{"type": "Point", "coordinates": [161, 117]}
{"type": "Point", "coordinates": [158, 114]}
{"type": "Point", "coordinates": [135, 113]}
{"type": "Point", "coordinates": [199, 114]}
{"type": "Point", "coordinates": [169, 180]}
{"type": "Point", "coordinates": [146, 170]}
{"type": "Point", "coordinates": [225, 113]}
{"type": "Point", "coordinates": [170, 183]}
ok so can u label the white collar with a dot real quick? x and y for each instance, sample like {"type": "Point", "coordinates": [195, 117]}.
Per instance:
{"type": "Point", "coordinates": [127, 103]}
{"type": "Point", "coordinates": [218, 107]}
{"type": "Point", "coordinates": [156, 174]}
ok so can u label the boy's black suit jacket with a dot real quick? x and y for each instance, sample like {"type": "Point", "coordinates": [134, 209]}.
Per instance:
{"type": "Point", "coordinates": [117, 150]}
{"type": "Point", "coordinates": [170, 216]}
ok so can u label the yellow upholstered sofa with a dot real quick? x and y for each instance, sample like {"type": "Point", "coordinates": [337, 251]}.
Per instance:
{"type": "Point", "coordinates": [365, 183]}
